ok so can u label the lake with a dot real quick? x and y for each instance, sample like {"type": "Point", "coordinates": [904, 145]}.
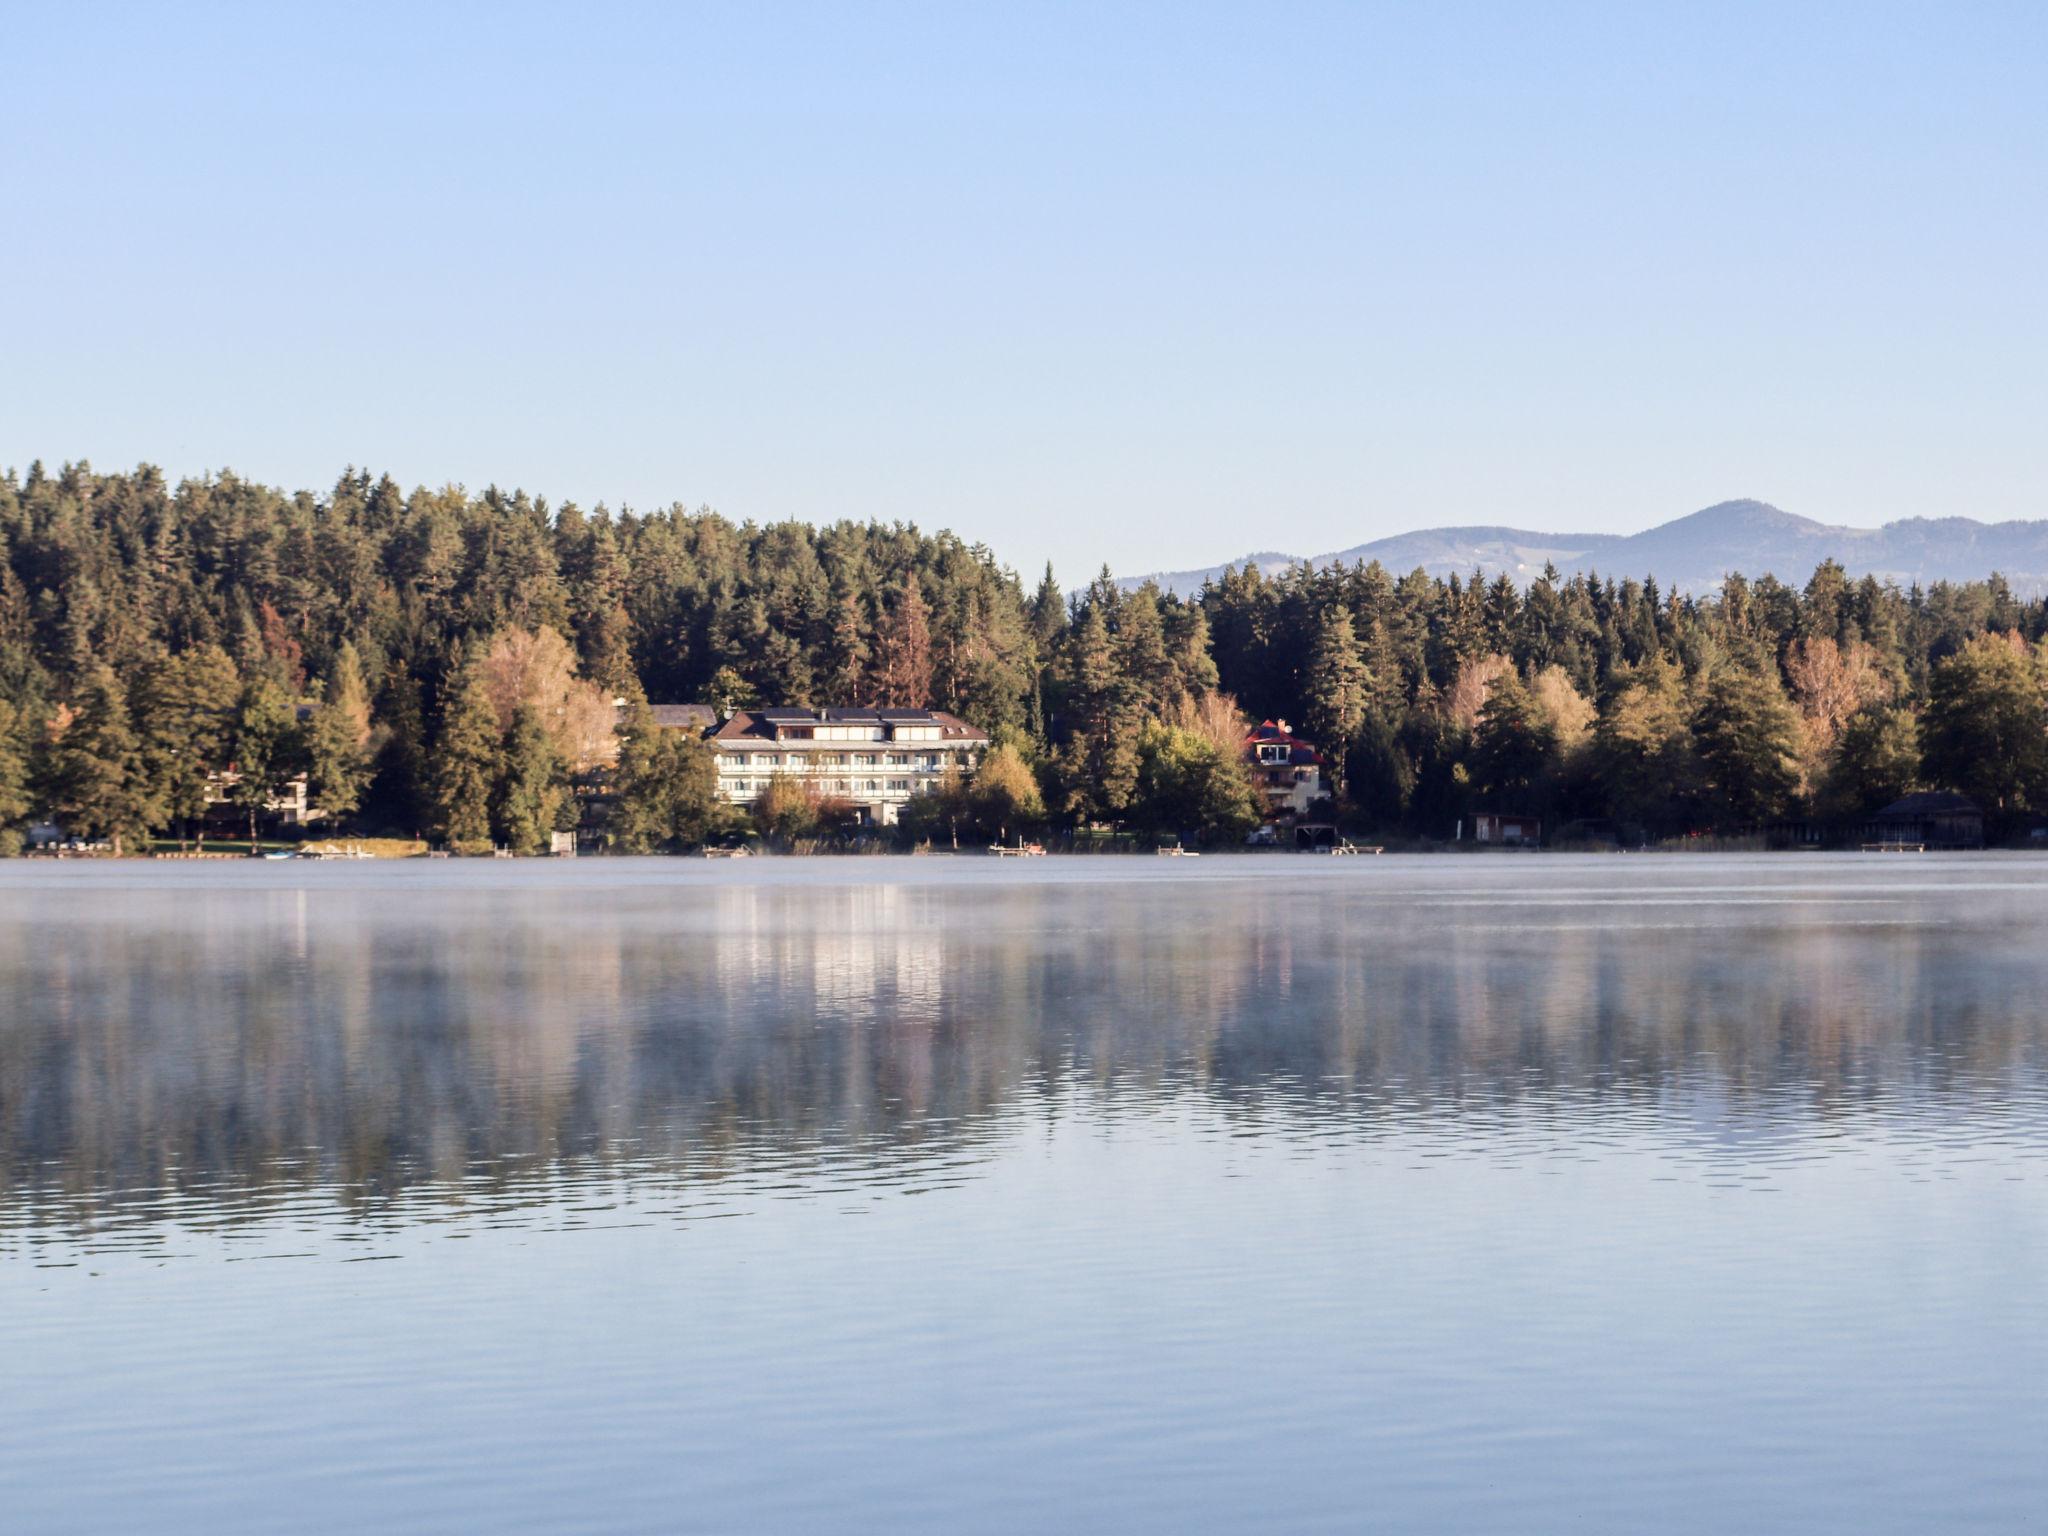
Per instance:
{"type": "Point", "coordinates": [1513, 1193]}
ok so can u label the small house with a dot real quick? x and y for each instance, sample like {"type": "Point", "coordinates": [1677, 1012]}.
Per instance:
{"type": "Point", "coordinates": [1285, 768]}
{"type": "Point", "coordinates": [1933, 819]}
{"type": "Point", "coordinates": [1494, 829]}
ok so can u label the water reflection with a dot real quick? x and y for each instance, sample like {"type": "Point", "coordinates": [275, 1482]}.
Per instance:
{"type": "Point", "coordinates": [476, 1044]}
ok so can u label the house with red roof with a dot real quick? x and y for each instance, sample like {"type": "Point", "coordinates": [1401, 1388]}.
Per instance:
{"type": "Point", "coordinates": [1286, 768]}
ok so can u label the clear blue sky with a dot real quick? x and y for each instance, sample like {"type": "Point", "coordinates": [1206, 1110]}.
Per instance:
{"type": "Point", "coordinates": [1151, 285]}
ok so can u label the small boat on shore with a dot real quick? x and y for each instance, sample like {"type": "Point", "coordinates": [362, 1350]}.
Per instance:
{"type": "Point", "coordinates": [728, 853]}
{"type": "Point", "coordinates": [1021, 851]}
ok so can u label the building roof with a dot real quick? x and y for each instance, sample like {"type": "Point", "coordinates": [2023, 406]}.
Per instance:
{"type": "Point", "coordinates": [760, 724]}
{"type": "Point", "coordinates": [684, 717]}
{"type": "Point", "coordinates": [1274, 733]}
{"type": "Point", "coordinates": [1929, 802]}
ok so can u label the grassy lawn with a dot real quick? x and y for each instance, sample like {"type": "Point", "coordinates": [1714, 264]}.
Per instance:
{"type": "Point", "coordinates": [376, 847]}
{"type": "Point", "coordinates": [215, 845]}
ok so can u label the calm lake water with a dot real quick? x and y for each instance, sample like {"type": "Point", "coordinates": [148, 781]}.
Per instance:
{"type": "Point", "coordinates": [1261, 1193]}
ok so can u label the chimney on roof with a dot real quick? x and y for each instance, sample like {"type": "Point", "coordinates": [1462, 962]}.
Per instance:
{"type": "Point", "coordinates": [1282, 724]}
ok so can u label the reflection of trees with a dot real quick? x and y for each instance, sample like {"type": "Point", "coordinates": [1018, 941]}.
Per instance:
{"type": "Point", "coordinates": [229, 1043]}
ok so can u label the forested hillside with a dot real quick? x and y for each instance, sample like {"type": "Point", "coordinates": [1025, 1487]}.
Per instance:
{"type": "Point", "coordinates": [445, 663]}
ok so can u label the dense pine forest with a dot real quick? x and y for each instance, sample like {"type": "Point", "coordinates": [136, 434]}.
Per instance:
{"type": "Point", "coordinates": [446, 664]}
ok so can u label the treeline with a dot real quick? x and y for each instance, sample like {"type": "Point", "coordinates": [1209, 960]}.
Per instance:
{"type": "Point", "coordinates": [442, 663]}
{"type": "Point", "coordinates": [1597, 699]}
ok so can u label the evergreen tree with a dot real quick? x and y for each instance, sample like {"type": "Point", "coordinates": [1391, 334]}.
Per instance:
{"type": "Point", "coordinates": [532, 790]}
{"type": "Point", "coordinates": [664, 787]}
{"type": "Point", "coordinates": [267, 747]}
{"type": "Point", "coordinates": [99, 783]}
{"type": "Point", "coordinates": [466, 767]}
{"type": "Point", "coordinates": [14, 788]}
{"type": "Point", "coordinates": [1985, 732]}
{"type": "Point", "coordinates": [400, 792]}
{"type": "Point", "coordinates": [185, 707]}
{"type": "Point", "coordinates": [1513, 744]}
{"type": "Point", "coordinates": [1747, 738]}
{"type": "Point", "coordinates": [1876, 761]}
{"type": "Point", "coordinates": [1334, 689]}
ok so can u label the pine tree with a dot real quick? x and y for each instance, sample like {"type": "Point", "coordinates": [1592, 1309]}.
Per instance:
{"type": "Point", "coordinates": [99, 780]}
{"type": "Point", "coordinates": [848, 662]}
{"type": "Point", "coordinates": [400, 789]}
{"type": "Point", "coordinates": [466, 765]}
{"type": "Point", "coordinates": [532, 787]}
{"type": "Point", "coordinates": [267, 747]}
{"type": "Point", "coordinates": [184, 708]}
{"type": "Point", "coordinates": [1747, 739]}
{"type": "Point", "coordinates": [14, 789]}
{"type": "Point", "coordinates": [1512, 746]}
{"type": "Point", "coordinates": [1334, 689]}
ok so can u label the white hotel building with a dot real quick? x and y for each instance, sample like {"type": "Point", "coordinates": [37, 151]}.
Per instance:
{"type": "Point", "coordinates": [876, 758]}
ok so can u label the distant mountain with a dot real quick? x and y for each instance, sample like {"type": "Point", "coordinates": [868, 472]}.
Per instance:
{"type": "Point", "coordinates": [1694, 553]}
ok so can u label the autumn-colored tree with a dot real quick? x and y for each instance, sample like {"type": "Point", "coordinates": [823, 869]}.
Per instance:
{"type": "Point", "coordinates": [537, 669]}
{"type": "Point", "coordinates": [339, 748]}
{"type": "Point", "coordinates": [786, 808]}
{"type": "Point", "coordinates": [1467, 694]}
{"type": "Point", "coordinates": [903, 651]}
{"type": "Point", "coordinates": [1005, 792]}
{"type": "Point", "coordinates": [1830, 682]}
{"type": "Point", "coordinates": [1642, 745]}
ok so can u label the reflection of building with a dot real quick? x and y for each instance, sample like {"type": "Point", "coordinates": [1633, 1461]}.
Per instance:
{"type": "Point", "coordinates": [1287, 769]}
{"type": "Point", "coordinates": [874, 758]}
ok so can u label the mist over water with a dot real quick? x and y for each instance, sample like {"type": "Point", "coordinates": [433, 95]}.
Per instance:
{"type": "Point", "coordinates": [1508, 1193]}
